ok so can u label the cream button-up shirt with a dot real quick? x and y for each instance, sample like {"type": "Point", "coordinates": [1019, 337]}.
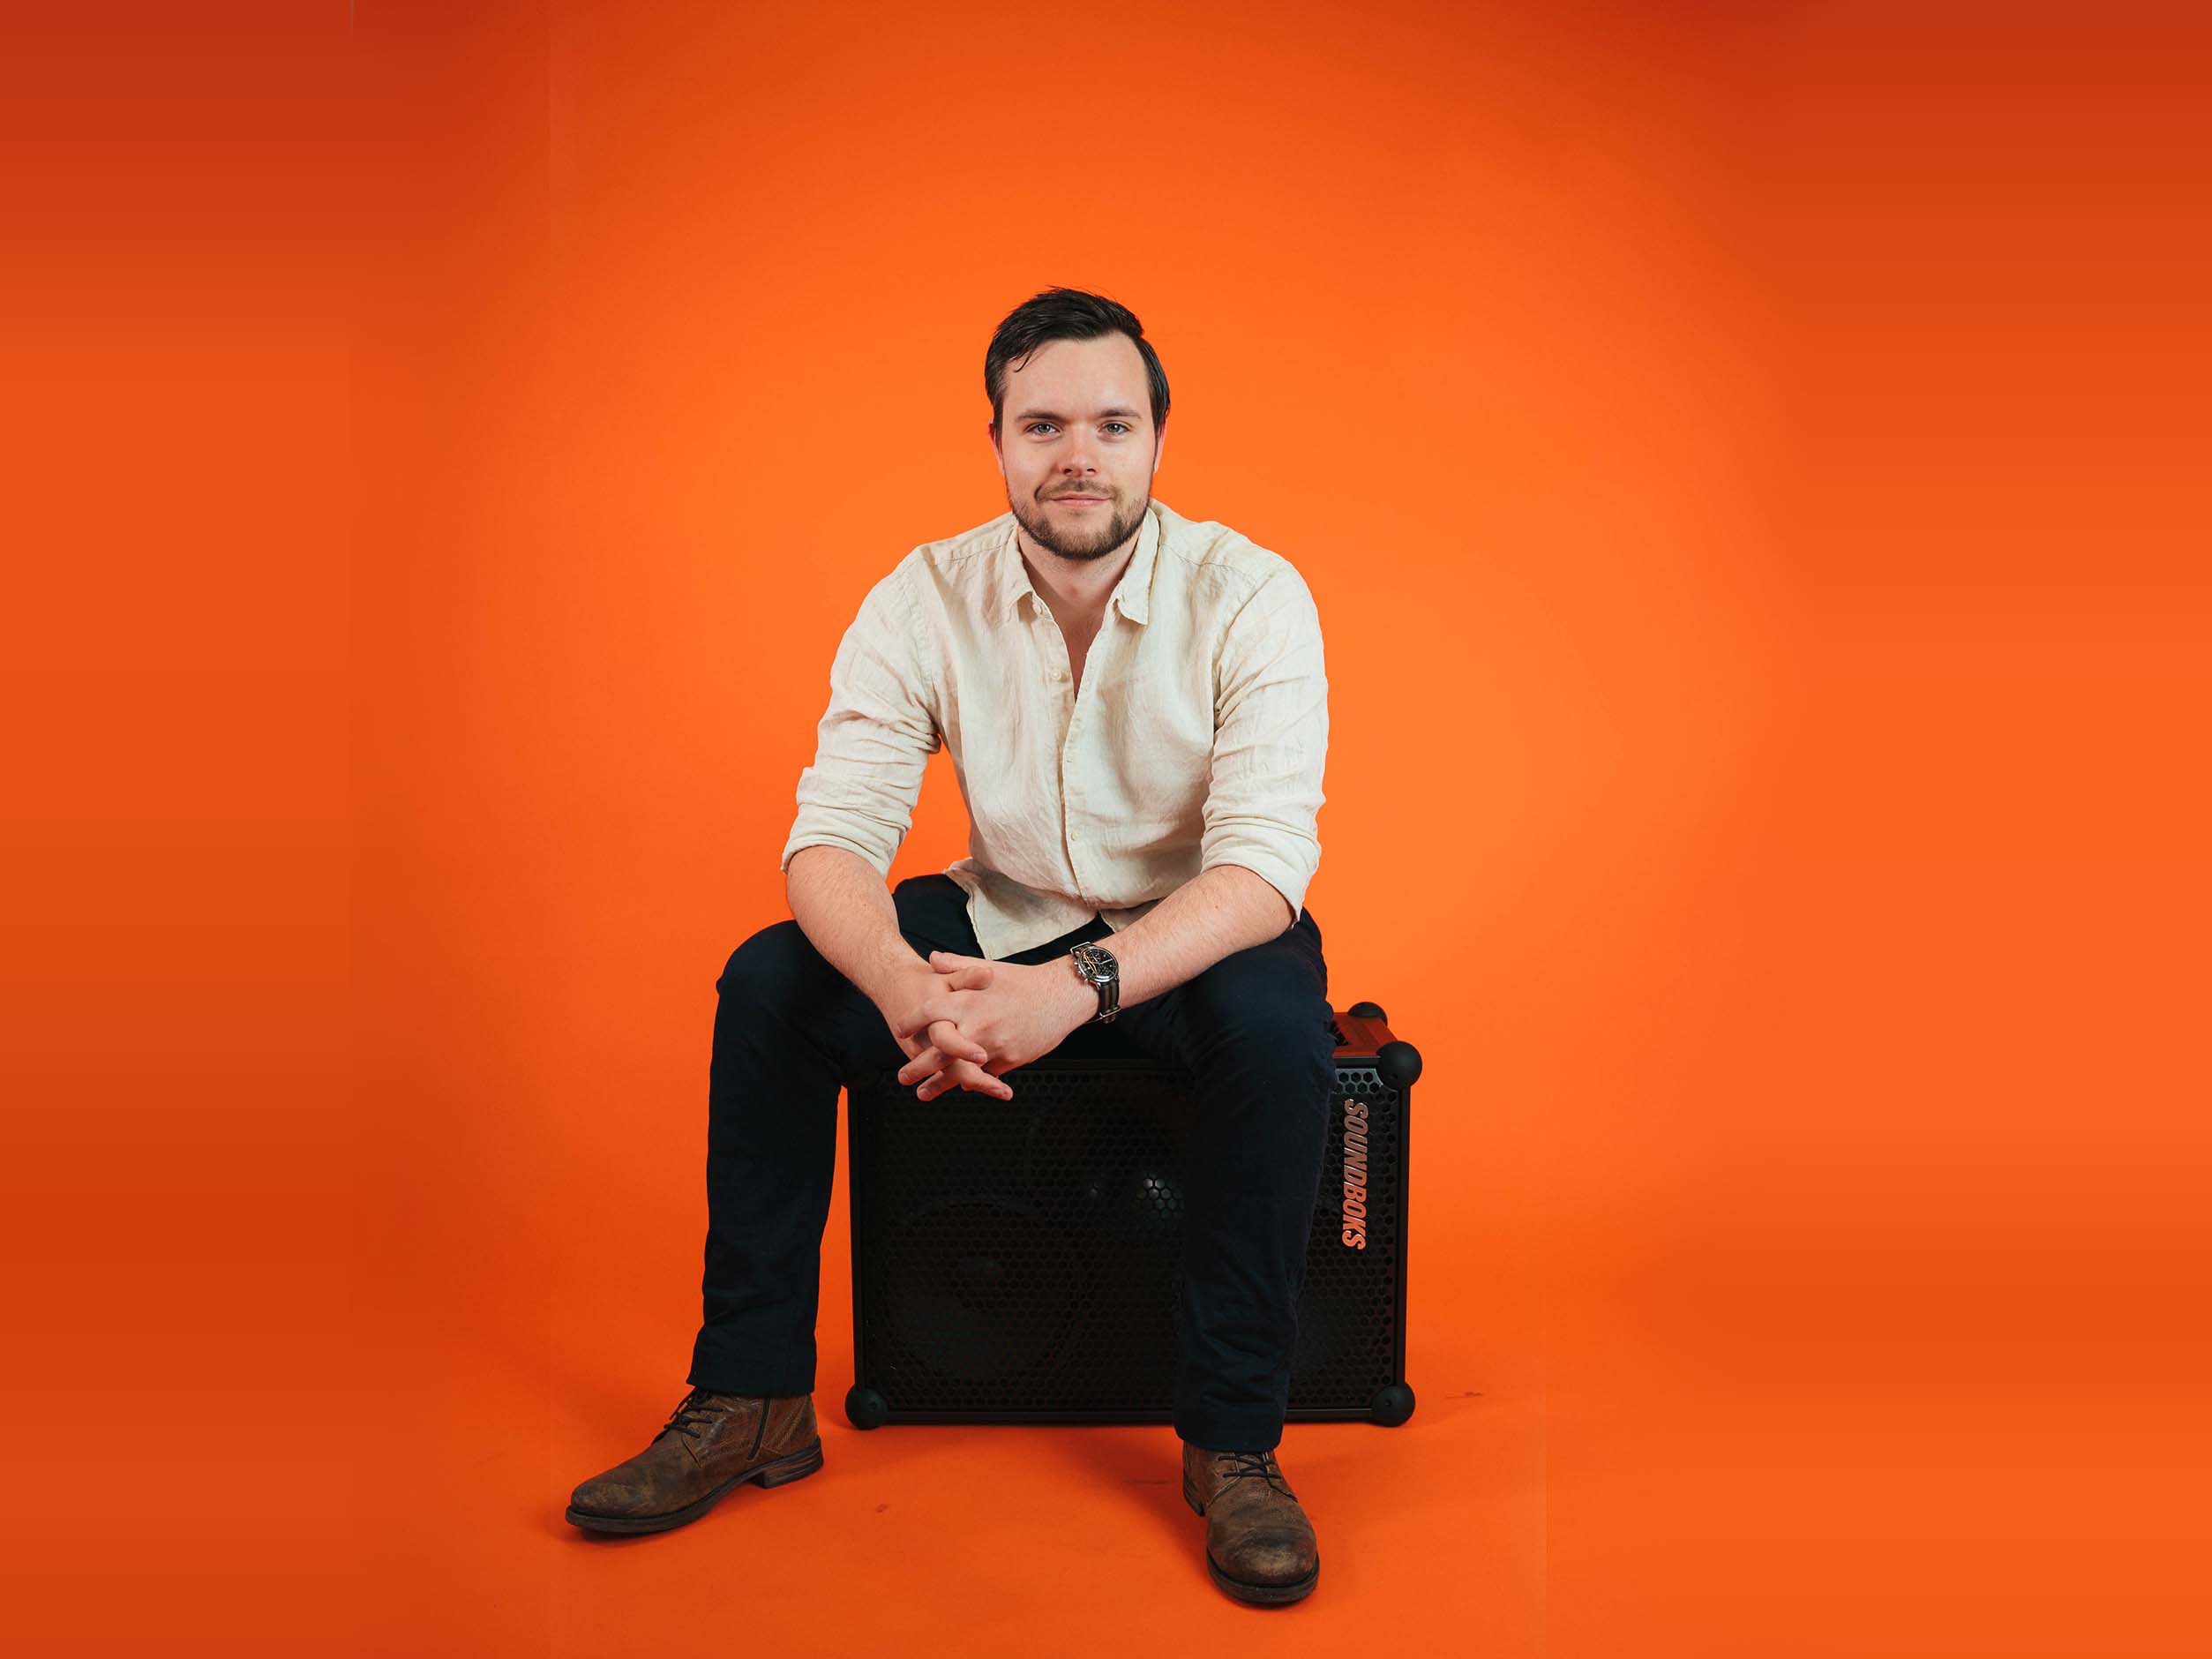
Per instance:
{"type": "Point", "coordinates": [1197, 736]}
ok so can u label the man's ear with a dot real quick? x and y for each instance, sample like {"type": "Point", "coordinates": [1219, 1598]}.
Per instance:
{"type": "Point", "coordinates": [1159, 449]}
{"type": "Point", "coordinates": [991, 433]}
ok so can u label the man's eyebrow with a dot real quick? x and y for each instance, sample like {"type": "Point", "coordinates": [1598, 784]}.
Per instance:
{"type": "Point", "coordinates": [1051, 415]}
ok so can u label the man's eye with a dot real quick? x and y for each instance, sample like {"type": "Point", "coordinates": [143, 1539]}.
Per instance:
{"type": "Point", "coordinates": [1033, 425]}
{"type": "Point", "coordinates": [1124, 425]}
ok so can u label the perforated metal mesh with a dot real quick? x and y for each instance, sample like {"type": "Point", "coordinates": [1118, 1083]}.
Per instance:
{"type": "Point", "coordinates": [1018, 1258]}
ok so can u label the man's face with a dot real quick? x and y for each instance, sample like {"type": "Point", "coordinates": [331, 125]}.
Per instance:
{"type": "Point", "coordinates": [1077, 447]}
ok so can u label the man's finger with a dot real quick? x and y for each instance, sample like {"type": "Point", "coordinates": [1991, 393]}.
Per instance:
{"type": "Point", "coordinates": [930, 1059]}
{"type": "Point", "coordinates": [959, 1073]}
{"type": "Point", "coordinates": [953, 1042]}
{"type": "Point", "coordinates": [943, 1040]}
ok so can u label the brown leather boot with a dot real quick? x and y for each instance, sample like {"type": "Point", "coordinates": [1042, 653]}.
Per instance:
{"type": "Point", "coordinates": [711, 1446]}
{"type": "Point", "coordinates": [1260, 1547]}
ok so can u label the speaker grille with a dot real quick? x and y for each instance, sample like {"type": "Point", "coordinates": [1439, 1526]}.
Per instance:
{"type": "Point", "coordinates": [1017, 1260]}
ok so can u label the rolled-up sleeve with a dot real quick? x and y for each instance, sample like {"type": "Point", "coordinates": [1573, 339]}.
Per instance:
{"type": "Point", "coordinates": [1271, 742]}
{"type": "Point", "coordinates": [874, 740]}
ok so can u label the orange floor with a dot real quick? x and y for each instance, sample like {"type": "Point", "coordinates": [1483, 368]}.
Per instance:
{"type": "Point", "coordinates": [910, 1539]}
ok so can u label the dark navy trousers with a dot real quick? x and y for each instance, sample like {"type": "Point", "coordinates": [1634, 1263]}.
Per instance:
{"type": "Point", "coordinates": [1253, 1029]}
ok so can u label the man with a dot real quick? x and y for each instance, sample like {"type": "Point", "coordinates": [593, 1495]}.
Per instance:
{"type": "Point", "coordinates": [1137, 714]}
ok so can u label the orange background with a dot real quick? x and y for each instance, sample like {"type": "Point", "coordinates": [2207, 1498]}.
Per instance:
{"type": "Point", "coordinates": [1750, 463]}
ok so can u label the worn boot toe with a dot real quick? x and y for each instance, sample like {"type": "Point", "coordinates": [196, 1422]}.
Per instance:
{"type": "Point", "coordinates": [608, 1494]}
{"type": "Point", "coordinates": [1274, 1557]}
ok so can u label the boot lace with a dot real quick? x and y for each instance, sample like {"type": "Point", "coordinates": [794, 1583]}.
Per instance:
{"type": "Point", "coordinates": [691, 1413]}
{"type": "Point", "coordinates": [1257, 1465]}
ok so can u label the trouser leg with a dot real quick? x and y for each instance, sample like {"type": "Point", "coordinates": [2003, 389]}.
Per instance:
{"type": "Point", "coordinates": [1254, 1031]}
{"type": "Point", "coordinates": [789, 1030]}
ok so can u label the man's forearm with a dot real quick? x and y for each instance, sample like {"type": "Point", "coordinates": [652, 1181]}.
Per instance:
{"type": "Point", "coordinates": [1224, 910]}
{"type": "Point", "coordinates": [844, 910]}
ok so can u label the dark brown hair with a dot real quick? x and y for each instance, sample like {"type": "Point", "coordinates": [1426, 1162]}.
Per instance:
{"type": "Point", "coordinates": [1066, 313]}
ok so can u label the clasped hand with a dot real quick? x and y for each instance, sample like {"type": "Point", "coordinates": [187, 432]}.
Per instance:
{"type": "Point", "coordinates": [967, 1019]}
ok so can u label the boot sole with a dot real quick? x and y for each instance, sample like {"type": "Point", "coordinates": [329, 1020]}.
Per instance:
{"type": "Point", "coordinates": [793, 1465]}
{"type": "Point", "coordinates": [1262, 1594]}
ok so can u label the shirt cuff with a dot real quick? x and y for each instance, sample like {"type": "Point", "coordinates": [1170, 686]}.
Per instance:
{"type": "Point", "coordinates": [876, 861]}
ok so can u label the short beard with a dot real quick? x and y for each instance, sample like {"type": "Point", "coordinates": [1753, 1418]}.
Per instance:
{"type": "Point", "coordinates": [1095, 545]}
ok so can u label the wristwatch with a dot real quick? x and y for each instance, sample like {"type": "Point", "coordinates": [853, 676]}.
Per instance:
{"type": "Point", "coordinates": [1100, 971]}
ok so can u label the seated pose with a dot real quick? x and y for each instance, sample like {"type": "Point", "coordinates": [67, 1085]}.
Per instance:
{"type": "Point", "coordinates": [1137, 714]}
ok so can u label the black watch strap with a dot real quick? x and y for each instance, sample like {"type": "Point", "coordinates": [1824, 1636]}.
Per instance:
{"type": "Point", "coordinates": [1103, 973]}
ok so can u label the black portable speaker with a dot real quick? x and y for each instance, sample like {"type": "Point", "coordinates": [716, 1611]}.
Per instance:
{"type": "Point", "coordinates": [1016, 1261]}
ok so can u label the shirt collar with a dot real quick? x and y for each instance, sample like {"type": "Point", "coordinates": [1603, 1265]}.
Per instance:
{"type": "Point", "coordinates": [1133, 594]}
